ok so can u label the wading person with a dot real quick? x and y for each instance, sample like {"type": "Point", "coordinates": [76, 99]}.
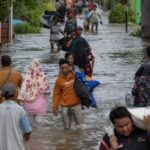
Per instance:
{"type": "Point", "coordinates": [71, 24]}
{"type": "Point", "coordinates": [33, 90]}
{"type": "Point", "coordinates": [13, 121]}
{"type": "Point", "coordinates": [141, 88]}
{"type": "Point", "coordinates": [83, 56]}
{"type": "Point", "coordinates": [70, 58]}
{"type": "Point", "coordinates": [86, 22]}
{"type": "Point", "coordinates": [94, 19]}
{"type": "Point", "coordinates": [64, 95]}
{"type": "Point", "coordinates": [54, 35]}
{"type": "Point", "coordinates": [8, 75]}
{"type": "Point", "coordinates": [126, 135]}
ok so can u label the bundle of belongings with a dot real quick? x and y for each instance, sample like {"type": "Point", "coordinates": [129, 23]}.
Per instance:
{"type": "Point", "coordinates": [138, 115]}
{"type": "Point", "coordinates": [84, 87]}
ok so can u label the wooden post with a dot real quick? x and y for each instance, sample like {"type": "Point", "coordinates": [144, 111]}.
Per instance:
{"type": "Point", "coordinates": [0, 34]}
{"type": "Point", "coordinates": [126, 16]}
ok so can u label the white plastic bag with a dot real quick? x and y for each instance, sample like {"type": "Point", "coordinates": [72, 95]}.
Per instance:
{"type": "Point", "coordinates": [138, 115]}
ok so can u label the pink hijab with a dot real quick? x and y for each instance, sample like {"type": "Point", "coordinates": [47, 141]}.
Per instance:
{"type": "Point", "coordinates": [34, 83]}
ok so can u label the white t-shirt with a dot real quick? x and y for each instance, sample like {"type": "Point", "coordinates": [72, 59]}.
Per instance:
{"type": "Point", "coordinates": [13, 122]}
{"type": "Point", "coordinates": [94, 16]}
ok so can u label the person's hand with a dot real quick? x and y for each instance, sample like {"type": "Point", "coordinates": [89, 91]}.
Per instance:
{"type": "Point", "coordinates": [113, 142]}
{"type": "Point", "coordinates": [55, 112]}
{"type": "Point", "coordinates": [147, 122]}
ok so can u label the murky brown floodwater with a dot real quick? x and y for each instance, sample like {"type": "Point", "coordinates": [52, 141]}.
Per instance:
{"type": "Point", "coordinates": [117, 54]}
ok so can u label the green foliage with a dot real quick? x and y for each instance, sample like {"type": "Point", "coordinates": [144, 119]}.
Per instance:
{"type": "Point", "coordinates": [117, 14]}
{"type": "Point", "coordinates": [109, 4]}
{"type": "Point", "coordinates": [32, 10]}
{"type": "Point", "coordinates": [131, 15]}
{"type": "Point", "coordinates": [26, 28]}
{"type": "Point", "coordinates": [136, 33]}
{"type": "Point", "coordinates": [4, 9]}
{"type": "Point", "coordinates": [49, 6]}
{"type": "Point", "coordinates": [27, 10]}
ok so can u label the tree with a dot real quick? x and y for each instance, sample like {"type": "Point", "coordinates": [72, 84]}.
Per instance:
{"type": "Point", "coordinates": [29, 11]}
{"type": "Point", "coordinates": [4, 9]}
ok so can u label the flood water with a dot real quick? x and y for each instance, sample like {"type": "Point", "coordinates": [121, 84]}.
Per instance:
{"type": "Point", "coordinates": [117, 57]}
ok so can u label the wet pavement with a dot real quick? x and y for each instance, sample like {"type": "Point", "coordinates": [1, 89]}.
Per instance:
{"type": "Point", "coordinates": [117, 56]}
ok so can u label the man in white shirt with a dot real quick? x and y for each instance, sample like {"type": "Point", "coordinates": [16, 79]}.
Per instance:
{"type": "Point", "coordinates": [94, 18]}
{"type": "Point", "coordinates": [14, 124]}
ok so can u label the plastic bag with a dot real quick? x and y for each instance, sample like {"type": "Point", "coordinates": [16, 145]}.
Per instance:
{"type": "Point", "coordinates": [137, 116]}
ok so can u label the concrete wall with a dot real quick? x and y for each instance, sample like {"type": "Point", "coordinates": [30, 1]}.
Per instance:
{"type": "Point", "coordinates": [145, 18]}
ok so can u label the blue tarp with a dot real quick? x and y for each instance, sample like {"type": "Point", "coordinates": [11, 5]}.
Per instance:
{"type": "Point", "coordinates": [17, 21]}
{"type": "Point", "coordinates": [90, 84]}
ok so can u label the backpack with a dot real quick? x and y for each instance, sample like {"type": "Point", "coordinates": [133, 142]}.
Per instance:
{"type": "Point", "coordinates": [71, 25]}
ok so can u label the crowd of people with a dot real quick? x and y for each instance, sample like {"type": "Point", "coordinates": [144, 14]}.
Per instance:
{"type": "Point", "coordinates": [23, 99]}
{"type": "Point", "coordinates": [71, 9]}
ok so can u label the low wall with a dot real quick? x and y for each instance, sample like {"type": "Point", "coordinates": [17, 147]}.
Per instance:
{"type": "Point", "coordinates": [4, 32]}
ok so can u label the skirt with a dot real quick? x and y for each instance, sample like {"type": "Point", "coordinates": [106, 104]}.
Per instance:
{"type": "Point", "coordinates": [36, 107]}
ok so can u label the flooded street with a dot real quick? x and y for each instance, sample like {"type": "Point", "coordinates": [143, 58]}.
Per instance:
{"type": "Point", "coordinates": [117, 57]}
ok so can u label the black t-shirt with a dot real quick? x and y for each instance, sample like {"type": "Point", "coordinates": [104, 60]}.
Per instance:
{"type": "Point", "coordinates": [138, 140]}
{"type": "Point", "coordinates": [144, 70]}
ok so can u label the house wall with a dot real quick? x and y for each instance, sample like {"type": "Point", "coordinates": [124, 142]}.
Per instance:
{"type": "Point", "coordinates": [4, 32]}
{"type": "Point", "coordinates": [136, 7]}
{"type": "Point", "coordinates": [138, 11]}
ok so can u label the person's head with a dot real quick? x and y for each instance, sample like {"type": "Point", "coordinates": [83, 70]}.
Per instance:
{"type": "Point", "coordinates": [148, 51]}
{"type": "Point", "coordinates": [8, 90]}
{"type": "Point", "coordinates": [70, 14]}
{"type": "Point", "coordinates": [78, 31]}
{"type": "Point", "coordinates": [95, 7]}
{"type": "Point", "coordinates": [69, 57]}
{"type": "Point", "coordinates": [34, 69]}
{"type": "Point", "coordinates": [122, 121]}
{"type": "Point", "coordinates": [64, 66]}
{"type": "Point", "coordinates": [5, 60]}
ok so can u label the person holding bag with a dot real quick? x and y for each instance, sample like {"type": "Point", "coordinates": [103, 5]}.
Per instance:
{"type": "Point", "coordinates": [33, 90]}
{"type": "Point", "coordinates": [125, 135]}
{"type": "Point", "coordinates": [64, 95]}
{"type": "Point", "coordinates": [8, 75]}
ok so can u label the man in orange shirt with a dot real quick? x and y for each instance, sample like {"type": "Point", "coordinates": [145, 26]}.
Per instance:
{"type": "Point", "coordinates": [64, 95]}
{"type": "Point", "coordinates": [8, 75]}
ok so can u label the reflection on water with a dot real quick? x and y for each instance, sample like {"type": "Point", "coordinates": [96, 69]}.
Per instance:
{"type": "Point", "coordinates": [117, 58]}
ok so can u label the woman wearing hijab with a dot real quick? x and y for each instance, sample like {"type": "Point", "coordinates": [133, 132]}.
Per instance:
{"type": "Point", "coordinates": [33, 90]}
{"type": "Point", "coordinates": [69, 56]}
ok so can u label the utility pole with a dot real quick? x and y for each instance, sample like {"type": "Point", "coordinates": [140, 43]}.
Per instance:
{"type": "Point", "coordinates": [10, 22]}
{"type": "Point", "coordinates": [0, 34]}
{"type": "Point", "coordinates": [126, 16]}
